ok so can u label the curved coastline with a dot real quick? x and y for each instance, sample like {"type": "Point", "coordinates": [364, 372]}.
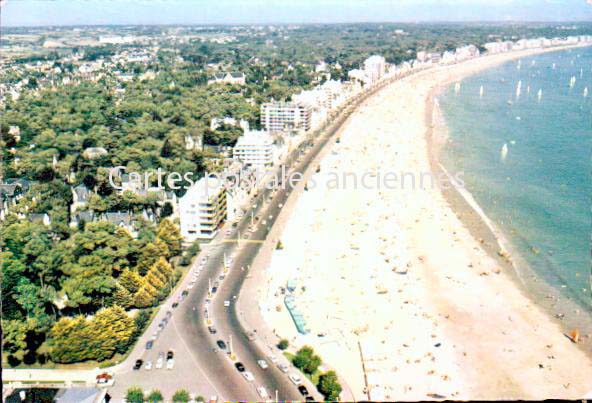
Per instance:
{"type": "Point", "coordinates": [492, 239]}
{"type": "Point", "coordinates": [489, 335]}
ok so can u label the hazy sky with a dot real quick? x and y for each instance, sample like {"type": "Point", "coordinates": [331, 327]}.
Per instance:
{"type": "Point", "coordinates": [72, 12]}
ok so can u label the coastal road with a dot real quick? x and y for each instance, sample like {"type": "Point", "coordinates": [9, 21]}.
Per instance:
{"type": "Point", "coordinates": [242, 246]}
{"type": "Point", "coordinates": [200, 366]}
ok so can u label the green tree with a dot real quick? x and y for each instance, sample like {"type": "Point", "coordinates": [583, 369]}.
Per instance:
{"type": "Point", "coordinates": [130, 280]}
{"type": "Point", "coordinates": [283, 344]}
{"type": "Point", "coordinates": [146, 296]}
{"type": "Point", "coordinates": [329, 386]}
{"type": "Point", "coordinates": [155, 396]}
{"type": "Point", "coordinates": [306, 360]}
{"type": "Point", "coordinates": [170, 234]}
{"type": "Point", "coordinates": [134, 395]}
{"type": "Point", "coordinates": [181, 396]}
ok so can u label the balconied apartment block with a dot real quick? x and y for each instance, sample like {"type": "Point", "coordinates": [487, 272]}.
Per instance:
{"type": "Point", "coordinates": [284, 116]}
{"type": "Point", "coordinates": [202, 209]}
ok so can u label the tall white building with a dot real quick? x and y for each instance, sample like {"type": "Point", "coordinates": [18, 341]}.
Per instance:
{"type": "Point", "coordinates": [283, 116]}
{"type": "Point", "coordinates": [375, 67]}
{"type": "Point", "coordinates": [202, 210]}
{"type": "Point", "coordinates": [254, 148]}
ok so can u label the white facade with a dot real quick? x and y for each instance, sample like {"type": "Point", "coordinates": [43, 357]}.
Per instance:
{"type": "Point", "coordinates": [254, 148]}
{"type": "Point", "coordinates": [202, 210]}
{"type": "Point", "coordinates": [375, 68]}
{"type": "Point", "coordinates": [282, 116]}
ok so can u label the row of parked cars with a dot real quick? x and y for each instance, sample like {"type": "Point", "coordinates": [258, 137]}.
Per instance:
{"type": "Point", "coordinates": [160, 362]}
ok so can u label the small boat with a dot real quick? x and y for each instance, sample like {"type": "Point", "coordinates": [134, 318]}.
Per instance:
{"type": "Point", "coordinates": [585, 92]}
{"type": "Point", "coordinates": [540, 94]}
{"type": "Point", "coordinates": [456, 88]}
{"type": "Point", "coordinates": [518, 89]}
{"type": "Point", "coordinates": [481, 90]}
{"type": "Point", "coordinates": [572, 82]}
{"type": "Point", "coordinates": [504, 152]}
{"type": "Point", "coordinates": [553, 66]}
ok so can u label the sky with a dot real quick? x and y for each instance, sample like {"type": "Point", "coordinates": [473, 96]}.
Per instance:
{"type": "Point", "coordinates": [99, 12]}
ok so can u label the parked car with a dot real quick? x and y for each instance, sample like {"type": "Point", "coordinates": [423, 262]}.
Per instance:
{"type": "Point", "coordinates": [138, 365]}
{"type": "Point", "coordinates": [239, 366]}
{"type": "Point", "coordinates": [248, 376]}
{"type": "Point", "coordinates": [170, 354]}
{"type": "Point", "coordinates": [212, 329]}
{"type": "Point", "coordinates": [273, 359]}
{"type": "Point", "coordinates": [309, 399]}
{"type": "Point", "coordinates": [283, 367]}
{"type": "Point", "coordinates": [159, 363]}
{"type": "Point", "coordinates": [170, 363]}
{"type": "Point", "coordinates": [221, 344]}
{"type": "Point", "coordinates": [184, 294]}
{"type": "Point", "coordinates": [251, 336]}
{"type": "Point", "coordinates": [262, 364]}
{"type": "Point", "coordinates": [149, 344]}
{"type": "Point", "coordinates": [296, 380]}
{"type": "Point", "coordinates": [190, 286]}
{"type": "Point", "coordinates": [148, 365]}
{"type": "Point", "coordinates": [303, 391]}
{"type": "Point", "coordinates": [226, 304]}
{"type": "Point", "coordinates": [214, 289]}
{"type": "Point", "coordinates": [263, 392]}
{"type": "Point", "coordinates": [175, 304]}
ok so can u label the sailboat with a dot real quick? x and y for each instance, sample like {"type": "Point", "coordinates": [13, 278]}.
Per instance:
{"type": "Point", "coordinates": [572, 82]}
{"type": "Point", "coordinates": [481, 91]}
{"type": "Point", "coordinates": [519, 64]}
{"type": "Point", "coordinates": [504, 152]}
{"type": "Point", "coordinates": [518, 89]}
{"type": "Point", "coordinates": [528, 89]}
{"type": "Point", "coordinates": [581, 73]}
{"type": "Point", "coordinates": [585, 92]}
{"type": "Point", "coordinates": [456, 88]}
{"type": "Point", "coordinates": [553, 66]}
{"type": "Point", "coordinates": [533, 63]}
{"type": "Point", "coordinates": [540, 94]}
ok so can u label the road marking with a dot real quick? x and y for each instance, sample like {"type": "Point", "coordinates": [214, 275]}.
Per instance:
{"type": "Point", "coordinates": [197, 363]}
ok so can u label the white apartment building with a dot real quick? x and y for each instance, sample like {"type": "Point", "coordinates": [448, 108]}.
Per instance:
{"type": "Point", "coordinates": [254, 148]}
{"type": "Point", "coordinates": [285, 116]}
{"type": "Point", "coordinates": [375, 68]}
{"type": "Point", "coordinates": [202, 210]}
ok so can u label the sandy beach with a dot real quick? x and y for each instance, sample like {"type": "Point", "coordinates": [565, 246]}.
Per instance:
{"type": "Point", "coordinates": [397, 293]}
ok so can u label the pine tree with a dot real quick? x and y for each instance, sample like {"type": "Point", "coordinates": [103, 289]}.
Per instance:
{"type": "Point", "coordinates": [163, 267]}
{"type": "Point", "coordinates": [150, 254]}
{"type": "Point", "coordinates": [130, 280]}
{"type": "Point", "coordinates": [122, 296]}
{"type": "Point", "coordinates": [145, 296]}
{"type": "Point", "coordinates": [170, 234]}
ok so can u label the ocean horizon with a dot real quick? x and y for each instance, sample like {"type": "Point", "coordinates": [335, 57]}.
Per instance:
{"type": "Point", "coordinates": [522, 134]}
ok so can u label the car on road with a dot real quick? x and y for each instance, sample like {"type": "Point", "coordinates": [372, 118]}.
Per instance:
{"type": "Point", "coordinates": [283, 367]}
{"type": "Point", "coordinates": [309, 399]}
{"type": "Point", "coordinates": [262, 364]}
{"type": "Point", "coordinates": [248, 376]}
{"type": "Point", "coordinates": [138, 365]}
{"type": "Point", "coordinates": [214, 289]}
{"type": "Point", "coordinates": [204, 260]}
{"type": "Point", "coordinates": [228, 232]}
{"type": "Point", "coordinates": [272, 358]}
{"type": "Point", "coordinates": [303, 391]}
{"type": "Point", "coordinates": [226, 303]}
{"type": "Point", "coordinates": [175, 304]}
{"type": "Point", "coordinates": [190, 285]}
{"type": "Point", "coordinates": [159, 362]}
{"type": "Point", "coordinates": [251, 336]}
{"type": "Point", "coordinates": [263, 392]}
{"type": "Point", "coordinates": [170, 363]}
{"type": "Point", "coordinates": [296, 380]}
{"type": "Point", "coordinates": [239, 366]}
{"type": "Point", "coordinates": [148, 365]}
{"type": "Point", "coordinates": [170, 354]}
{"type": "Point", "coordinates": [168, 315]}
{"type": "Point", "coordinates": [212, 329]}
{"type": "Point", "coordinates": [221, 344]}
{"type": "Point", "coordinates": [149, 344]}
{"type": "Point", "coordinates": [184, 294]}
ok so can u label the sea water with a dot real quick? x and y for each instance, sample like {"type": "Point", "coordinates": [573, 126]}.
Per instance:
{"type": "Point", "coordinates": [537, 190]}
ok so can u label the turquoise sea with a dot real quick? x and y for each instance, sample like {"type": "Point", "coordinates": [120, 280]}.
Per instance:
{"type": "Point", "coordinates": [540, 195]}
